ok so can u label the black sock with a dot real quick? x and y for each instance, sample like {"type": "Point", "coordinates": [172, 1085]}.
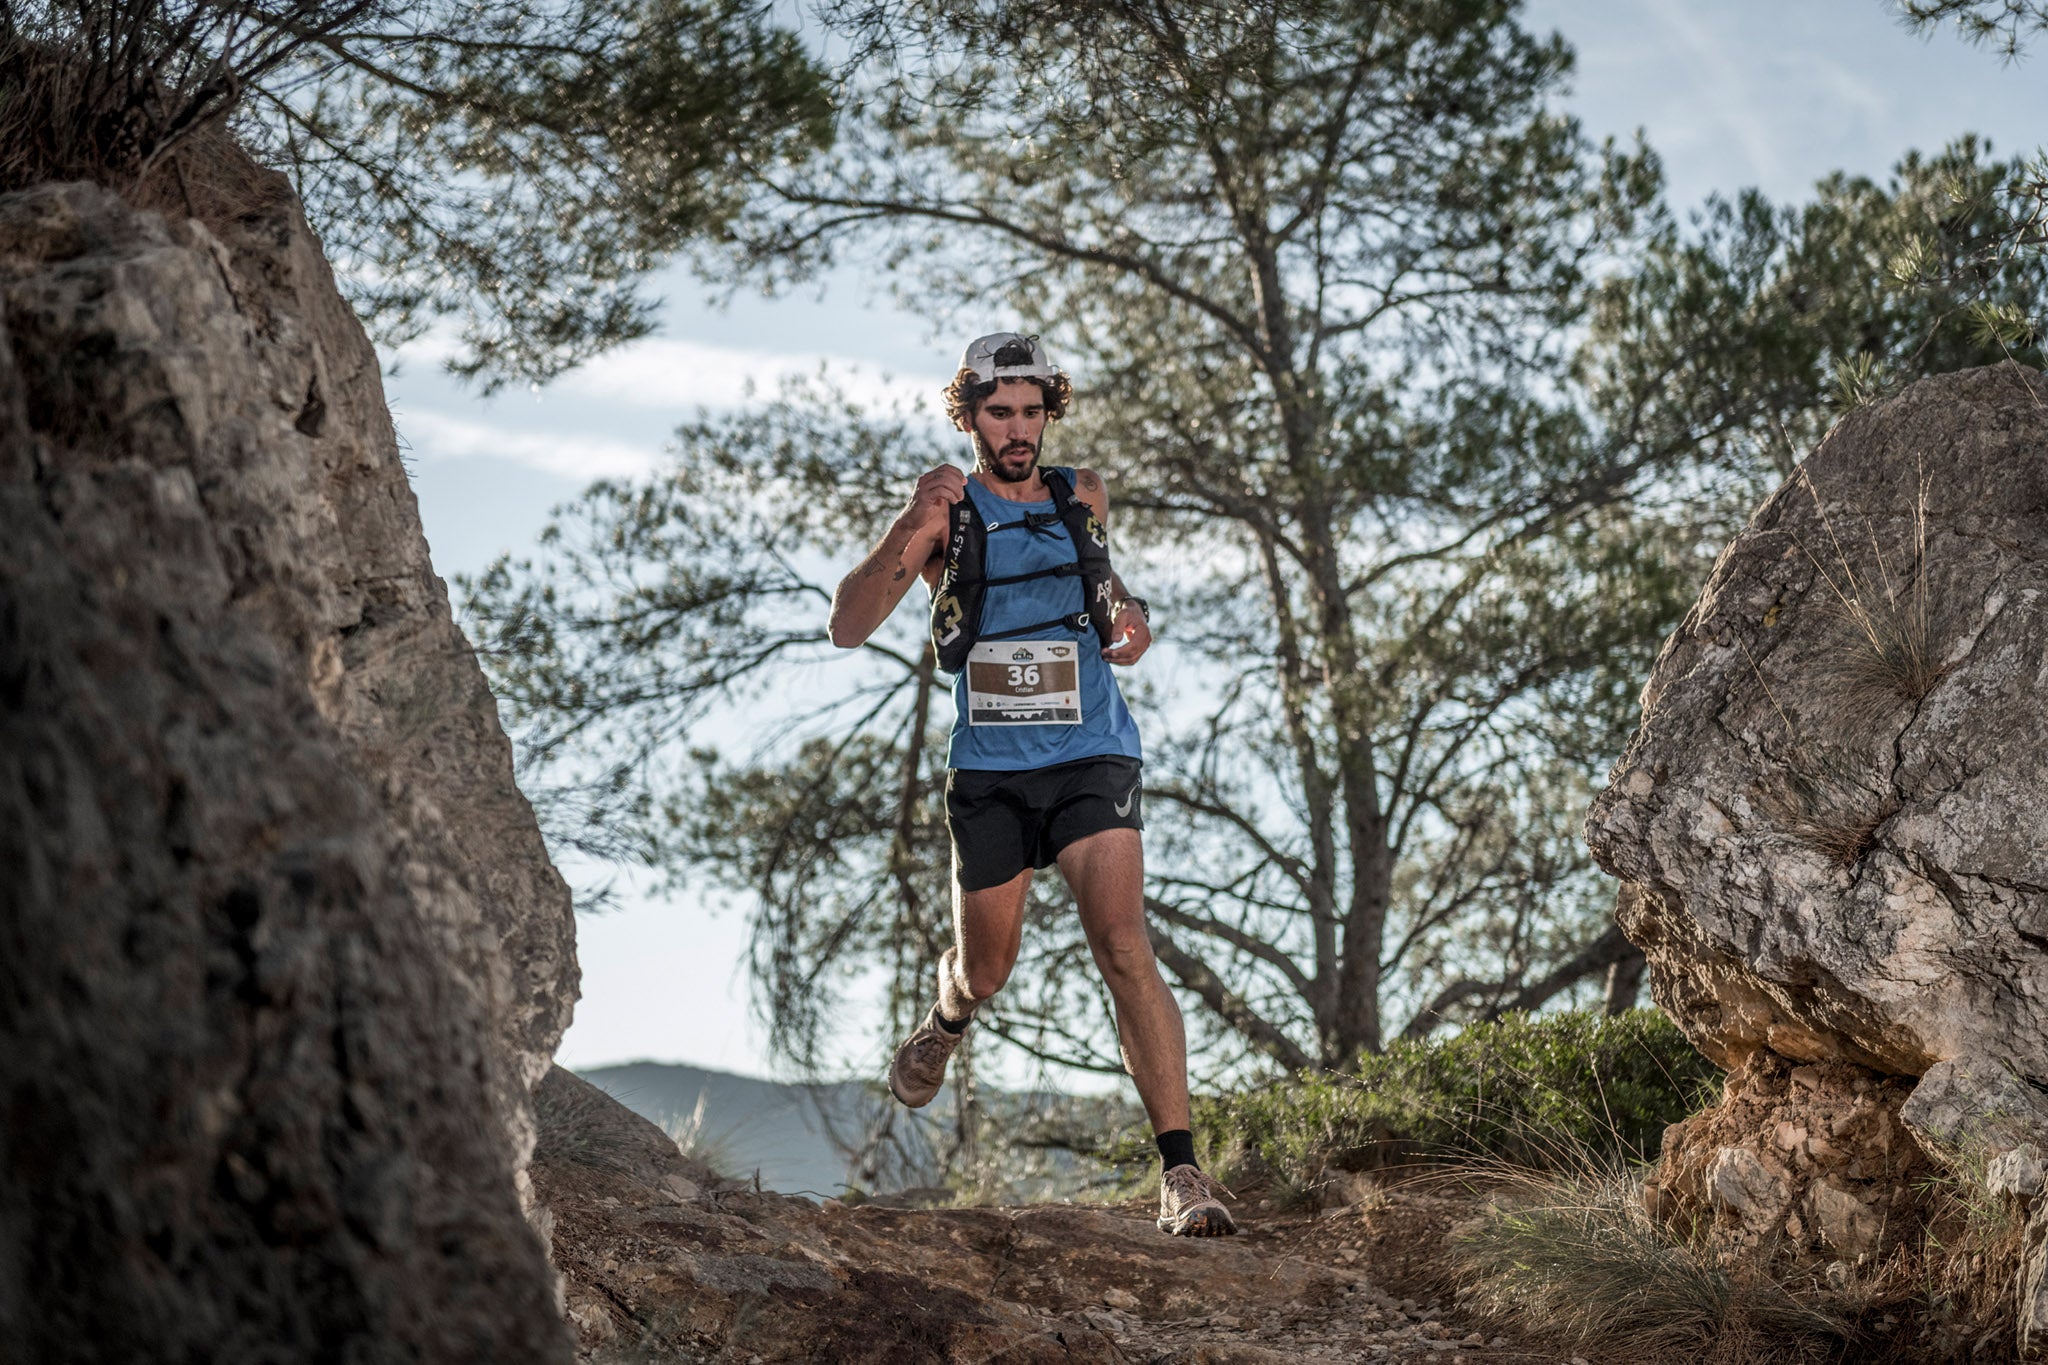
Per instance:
{"type": "Point", "coordinates": [1176, 1148]}
{"type": "Point", "coordinates": [949, 1025]}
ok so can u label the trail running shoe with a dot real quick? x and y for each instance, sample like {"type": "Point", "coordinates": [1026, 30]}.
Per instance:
{"type": "Point", "coordinates": [919, 1067]}
{"type": "Point", "coordinates": [1188, 1206]}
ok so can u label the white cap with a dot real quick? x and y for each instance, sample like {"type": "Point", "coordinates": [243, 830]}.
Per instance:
{"type": "Point", "coordinates": [981, 358]}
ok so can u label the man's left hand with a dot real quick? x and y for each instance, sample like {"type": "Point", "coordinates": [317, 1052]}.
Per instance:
{"type": "Point", "coordinates": [1133, 636]}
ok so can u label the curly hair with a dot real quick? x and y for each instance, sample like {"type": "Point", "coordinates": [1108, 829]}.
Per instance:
{"type": "Point", "coordinates": [964, 396]}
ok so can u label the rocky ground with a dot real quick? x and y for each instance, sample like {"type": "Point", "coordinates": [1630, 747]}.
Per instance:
{"type": "Point", "coordinates": [760, 1277]}
{"type": "Point", "coordinates": [662, 1264]}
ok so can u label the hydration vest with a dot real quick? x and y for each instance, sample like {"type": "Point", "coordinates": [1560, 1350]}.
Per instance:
{"type": "Point", "coordinates": [964, 584]}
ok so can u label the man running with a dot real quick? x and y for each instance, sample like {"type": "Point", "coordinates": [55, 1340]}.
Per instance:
{"type": "Point", "coordinates": [1044, 763]}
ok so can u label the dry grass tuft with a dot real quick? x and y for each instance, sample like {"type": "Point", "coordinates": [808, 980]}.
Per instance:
{"type": "Point", "coordinates": [715, 1150]}
{"type": "Point", "coordinates": [1963, 1275]}
{"type": "Point", "coordinates": [136, 95]}
{"type": "Point", "coordinates": [578, 1124]}
{"type": "Point", "coordinates": [576, 1127]}
{"type": "Point", "coordinates": [1894, 631]}
{"type": "Point", "coordinates": [1573, 1258]}
{"type": "Point", "coordinates": [1845, 843]}
{"type": "Point", "coordinates": [1823, 801]}
{"type": "Point", "coordinates": [49, 133]}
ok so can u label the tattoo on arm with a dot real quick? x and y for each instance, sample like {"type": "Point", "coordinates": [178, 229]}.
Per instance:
{"type": "Point", "coordinates": [897, 577]}
{"type": "Point", "coordinates": [1089, 481]}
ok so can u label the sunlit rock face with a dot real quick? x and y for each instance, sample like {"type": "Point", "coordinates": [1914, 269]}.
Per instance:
{"type": "Point", "coordinates": [284, 954]}
{"type": "Point", "coordinates": [1832, 825]}
{"type": "Point", "coordinates": [1835, 814]}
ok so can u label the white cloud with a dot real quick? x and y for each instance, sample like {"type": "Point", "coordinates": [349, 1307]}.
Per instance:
{"type": "Point", "coordinates": [1849, 89]}
{"type": "Point", "coordinates": [681, 375]}
{"type": "Point", "coordinates": [437, 436]}
{"type": "Point", "coordinates": [583, 426]}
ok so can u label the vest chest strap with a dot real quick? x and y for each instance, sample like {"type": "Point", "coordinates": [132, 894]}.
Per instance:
{"type": "Point", "coordinates": [963, 586]}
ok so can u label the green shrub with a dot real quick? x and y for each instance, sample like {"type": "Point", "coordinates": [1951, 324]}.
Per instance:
{"type": "Point", "coordinates": [1542, 1092]}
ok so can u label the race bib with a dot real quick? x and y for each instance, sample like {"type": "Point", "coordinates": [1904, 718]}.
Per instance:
{"type": "Point", "coordinates": [1024, 682]}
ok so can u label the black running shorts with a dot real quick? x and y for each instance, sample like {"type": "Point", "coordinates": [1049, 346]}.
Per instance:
{"type": "Point", "coordinates": [1004, 822]}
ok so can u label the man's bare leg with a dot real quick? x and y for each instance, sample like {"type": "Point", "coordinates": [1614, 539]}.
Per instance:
{"type": "Point", "coordinates": [988, 933]}
{"type": "Point", "coordinates": [1106, 871]}
{"type": "Point", "coordinates": [988, 930]}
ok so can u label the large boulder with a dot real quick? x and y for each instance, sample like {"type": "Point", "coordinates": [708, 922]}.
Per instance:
{"type": "Point", "coordinates": [1833, 822]}
{"type": "Point", "coordinates": [284, 952]}
{"type": "Point", "coordinates": [1833, 817]}
{"type": "Point", "coordinates": [226, 352]}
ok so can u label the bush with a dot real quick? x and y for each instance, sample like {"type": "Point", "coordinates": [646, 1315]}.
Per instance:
{"type": "Point", "coordinates": [1541, 1093]}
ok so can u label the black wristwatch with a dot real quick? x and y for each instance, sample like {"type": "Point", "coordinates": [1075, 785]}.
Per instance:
{"type": "Point", "coordinates": [1144, 607]}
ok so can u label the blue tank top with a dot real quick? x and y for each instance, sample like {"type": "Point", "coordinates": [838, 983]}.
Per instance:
{"type": "Point", "coordinates": [1106, 726]}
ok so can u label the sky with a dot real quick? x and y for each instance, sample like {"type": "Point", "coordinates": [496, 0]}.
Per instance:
{"type": "Point", "coordinates": [1766, 93]}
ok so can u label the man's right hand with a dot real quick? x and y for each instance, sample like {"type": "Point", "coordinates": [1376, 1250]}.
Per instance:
{"type": "Point", "coordinates": [937, 491]}
{"type": "Point", "coordinates": [909, 551]}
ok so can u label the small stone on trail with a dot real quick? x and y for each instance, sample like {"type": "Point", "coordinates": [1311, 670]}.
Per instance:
{"type": "Point", "coordinates": [593, 1319]}
{"type": "Point", "coordinates": [1119, 1298]}
{"type": "Point", "coordinates": [1225, 1320]}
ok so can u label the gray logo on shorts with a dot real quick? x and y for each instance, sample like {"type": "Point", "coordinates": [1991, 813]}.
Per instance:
{"type": "Point", "coordinates": [1123, 807]}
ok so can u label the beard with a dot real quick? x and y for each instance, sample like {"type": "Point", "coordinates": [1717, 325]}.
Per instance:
{"type": "Point", "coordinates": [989, 461]}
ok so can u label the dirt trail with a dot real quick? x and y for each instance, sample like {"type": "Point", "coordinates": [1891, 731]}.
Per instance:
{"type": "Point", "coordinates": [660, 1267]}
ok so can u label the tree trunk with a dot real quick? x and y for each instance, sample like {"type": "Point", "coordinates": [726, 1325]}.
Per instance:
{"type": "Point", "coordinates": [1625, 981]}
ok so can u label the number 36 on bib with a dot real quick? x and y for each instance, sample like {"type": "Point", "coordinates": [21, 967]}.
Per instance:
{"type": "Point", "coordinates": [1024, 682]}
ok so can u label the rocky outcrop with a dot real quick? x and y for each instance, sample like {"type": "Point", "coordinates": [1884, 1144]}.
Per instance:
{"type": "Point", "coordinates": [1832, 822]}
{"type": "Point", "coordinates": [1833, 811]}
{"type": "Point", "coordinates": [1809, 1159]}
{"type": "Point", "coordinates": [229, 354]}
{"type": "Point", "coordinates": [284, 950]}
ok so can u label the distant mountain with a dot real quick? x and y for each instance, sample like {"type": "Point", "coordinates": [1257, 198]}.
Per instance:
{"type": "Point", "coordinates": [818, 1139]}
{"type": "Point", "coordinates": [798, 1137]}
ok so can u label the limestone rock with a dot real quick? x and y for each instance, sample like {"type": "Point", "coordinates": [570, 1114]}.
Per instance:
{"type": "Point", "coordinates": [2017, 1174]}
{"type": "Point", "coordinates": [581, 1125]}
{"type": "Point", "coordinates": [2033, 1279]}
{"type": "Point", "coordinates": [1973, 1109]}
{"type": "Point", "coordinates": [1849, 1225]}
{"type": "Point", "coordinates": [1832, 817]}
{"type": "Point", "coordinates": [1810, 1161]}
{"type": "Point", "coordinates": [1739, 1183]}
{"type": "Point", "coordinates": [226, 354]}
{"type": "Point", "coordinates": [283, 950]}
{"type": "Point", "coordinates": [1832, 831]}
